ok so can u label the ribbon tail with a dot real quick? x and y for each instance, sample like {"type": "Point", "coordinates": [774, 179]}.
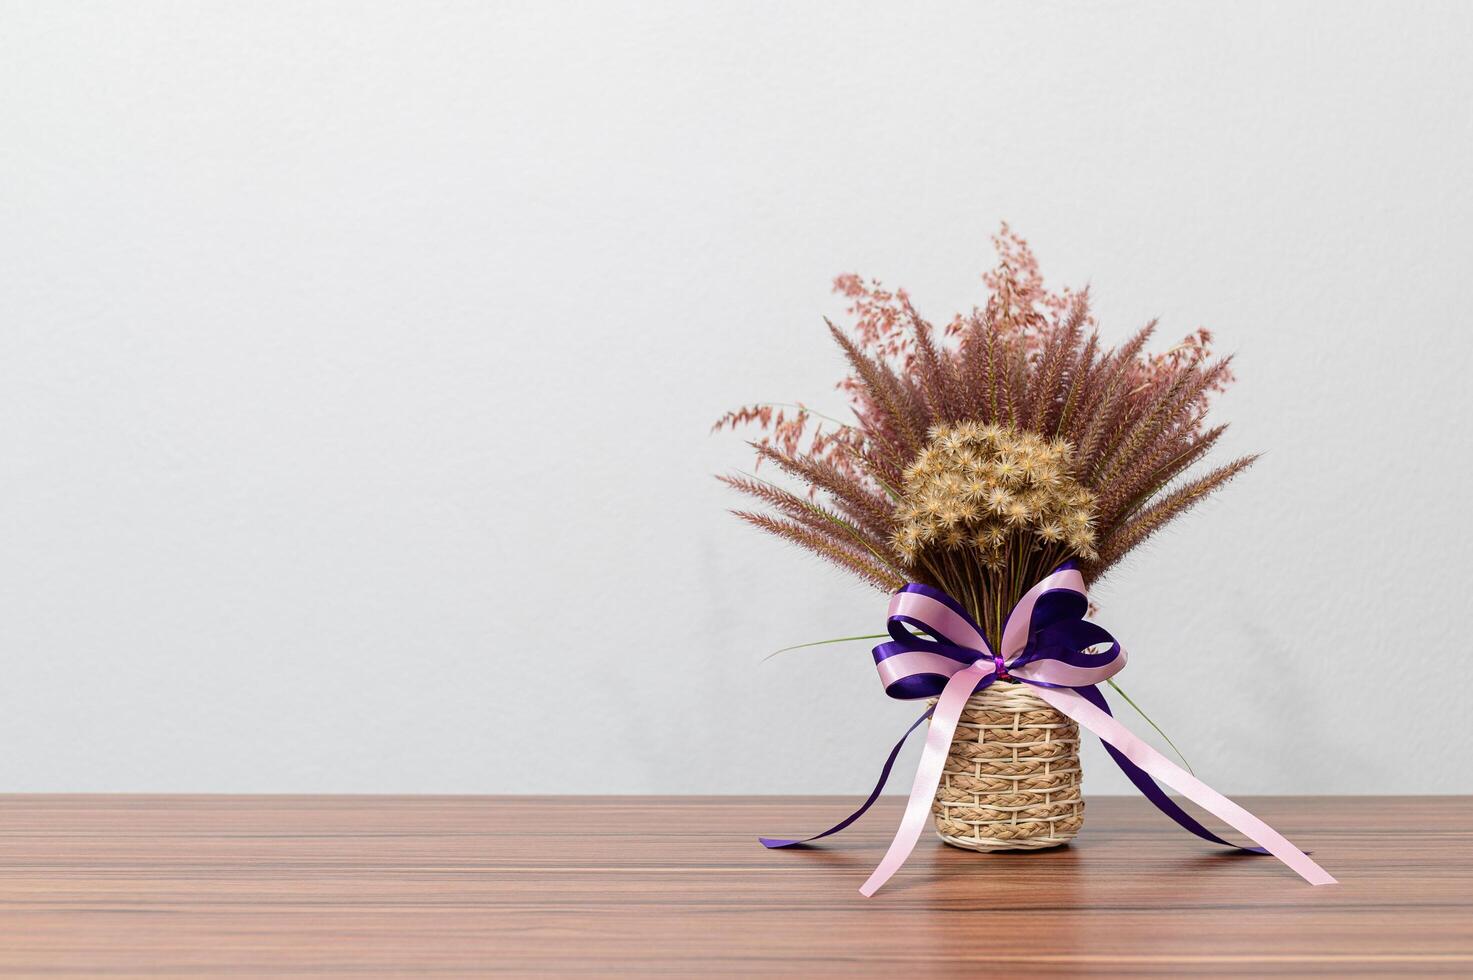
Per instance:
{"type": "Point", "coordinates": [944, 718]}
{"type": "Point", "coordinates": [874, 794]}
{"type": "Point", "coordinates": [1074, 704]}
{"type": "Point", "coordinates": [1150, 790]}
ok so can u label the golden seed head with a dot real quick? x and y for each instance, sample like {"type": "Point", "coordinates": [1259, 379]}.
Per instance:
{"type": "Point", "coordinates": [978, 486]}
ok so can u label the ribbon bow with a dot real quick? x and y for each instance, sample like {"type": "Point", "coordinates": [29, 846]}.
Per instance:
{"type": "Point", "coordinates": [1046, 643]}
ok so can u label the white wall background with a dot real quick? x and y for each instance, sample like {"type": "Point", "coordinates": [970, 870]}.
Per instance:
{"type": "Point", "coordinates": [356, 364]}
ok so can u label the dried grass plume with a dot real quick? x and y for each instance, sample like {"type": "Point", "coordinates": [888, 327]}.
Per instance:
{"type": "Point", "coordinates": [983, 453]}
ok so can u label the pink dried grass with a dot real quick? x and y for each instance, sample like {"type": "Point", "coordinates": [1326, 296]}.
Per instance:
{"type": "Point", "coordinates": [1030, 359]}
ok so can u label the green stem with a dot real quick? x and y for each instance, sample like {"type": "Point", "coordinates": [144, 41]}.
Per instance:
{"type": "Point", "coordinates": [1138, 711]}
{"type": "Point", "coordinates": [819, 643]}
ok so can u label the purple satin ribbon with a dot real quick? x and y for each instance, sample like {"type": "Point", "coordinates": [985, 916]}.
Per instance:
{"type": "Point", "coordinates": [1046, 643]}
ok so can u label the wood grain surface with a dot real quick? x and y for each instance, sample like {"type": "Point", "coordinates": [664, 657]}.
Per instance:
{"type": "Point", "coordinates": [399, 886]}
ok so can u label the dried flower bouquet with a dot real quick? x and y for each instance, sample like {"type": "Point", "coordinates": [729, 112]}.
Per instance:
{"type": "Point", "coordinates": [981, 459]}
{"type": "Point", "coordinates": [984, 454]}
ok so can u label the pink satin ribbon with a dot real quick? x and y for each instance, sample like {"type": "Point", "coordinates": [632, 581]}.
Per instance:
{"type": "Point", "coordinates": [963, 682]}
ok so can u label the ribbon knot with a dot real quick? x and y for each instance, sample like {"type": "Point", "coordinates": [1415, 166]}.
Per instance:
{"type": "Point", "coordinates": [937, 651]}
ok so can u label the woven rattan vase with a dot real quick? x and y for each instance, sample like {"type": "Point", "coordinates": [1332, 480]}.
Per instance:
{"type": "Point", "coordinates": [1011, 781]}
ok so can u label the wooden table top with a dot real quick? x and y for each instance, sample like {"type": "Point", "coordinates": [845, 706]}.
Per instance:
{"type": "Point", "coordinates": [189, 885]}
